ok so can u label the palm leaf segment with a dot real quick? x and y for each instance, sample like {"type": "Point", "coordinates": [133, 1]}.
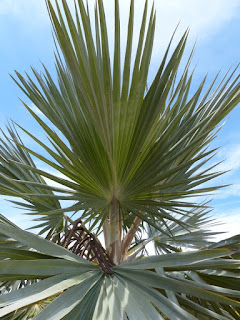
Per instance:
{"type": "Point", "coordinates": [139, 149]}
{"type": "Point", "coordinates": [129, 154]}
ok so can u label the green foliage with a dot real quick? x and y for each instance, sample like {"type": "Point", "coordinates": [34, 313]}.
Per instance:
{"type": "Point", "coordinates": [129, 159]}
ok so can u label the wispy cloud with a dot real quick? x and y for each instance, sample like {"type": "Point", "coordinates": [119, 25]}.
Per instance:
{"type": "Point", "coordinates": [230, 191]}
{"type": "Point", "coordinates": [232, 156]}
{"type": "Point", "coordinates": [230, 220]}
{"type": "Point", "coordinates": [203, 17]}
{"type": "Point", "coordinates": [230, 165]}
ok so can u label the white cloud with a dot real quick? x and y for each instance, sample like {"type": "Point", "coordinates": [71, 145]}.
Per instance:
{"type": "Point", "coordinates": [232, 156]}
{"type": "Point", "coordinates": [230, 224]}
{"type": "Point", "coordinates": [230, 191]}
{"type": "Point", "coordinates": [203, 17]}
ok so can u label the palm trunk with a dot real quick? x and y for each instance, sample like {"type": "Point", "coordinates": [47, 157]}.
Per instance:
{"type": "Point", "coordinates": [106, 233]}
{"type": "Point", "coordinates": [115, 232]}
{"type": "Point", "coordinates": [129, 236]}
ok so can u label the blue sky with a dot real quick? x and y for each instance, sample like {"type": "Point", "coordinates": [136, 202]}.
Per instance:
{"type": "Point", "coordinates": [26, 40]}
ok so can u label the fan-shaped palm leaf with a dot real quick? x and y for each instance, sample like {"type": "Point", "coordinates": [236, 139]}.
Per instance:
{"type": "Point", "coordinates": [129, 160]}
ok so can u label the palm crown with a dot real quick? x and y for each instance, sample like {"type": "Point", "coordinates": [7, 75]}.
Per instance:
{"type": "Point", "coordinates": [130, 159]}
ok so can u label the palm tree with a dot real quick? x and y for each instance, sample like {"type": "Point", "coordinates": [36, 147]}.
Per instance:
{"type": "Point", "coordinates": [127, 159]}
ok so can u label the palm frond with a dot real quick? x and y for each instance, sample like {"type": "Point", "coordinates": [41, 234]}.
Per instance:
{"type": "Point", "coordinates": [19, 182]}
{"type": "Point", "coordinates": [129, 159]}
{"type": "Point", "coordinates": [177, 285]}
{"type": "Point", "coordinates": [142, 148]}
